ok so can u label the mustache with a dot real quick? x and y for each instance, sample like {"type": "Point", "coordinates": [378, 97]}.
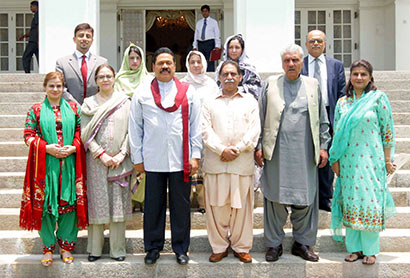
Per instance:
{"type": "Point", "coordinates": [229, 81]}
{"type": "Point", "coordinates": [165, 69]}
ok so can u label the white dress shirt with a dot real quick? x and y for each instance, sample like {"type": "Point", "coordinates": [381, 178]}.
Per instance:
{"type": "Point", "coordinates": [155, 136]}
{"type": "Point", "coordinates": [323, 75]}
{"type": "Point", "coordinates": [80, 55]}
{"type": "Point", "coordinates": [211, 32]}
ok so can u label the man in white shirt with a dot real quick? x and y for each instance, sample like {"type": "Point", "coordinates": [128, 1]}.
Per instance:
{"type": "Point", "coordinates": [207, 36]}
{"type": "Point", "coordinates": [230, 132]}
{"type": "Point", "coordinates": [79, 68]}
{"type": "Point", "coordinates": [165, 143]}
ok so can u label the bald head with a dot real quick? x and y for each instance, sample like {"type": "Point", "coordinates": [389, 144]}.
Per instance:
{"type": "Point", "coordinates": [316, 43]}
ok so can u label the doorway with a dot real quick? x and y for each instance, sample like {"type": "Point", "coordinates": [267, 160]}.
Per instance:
{"type": "Point", "coordinates": [173, 29]}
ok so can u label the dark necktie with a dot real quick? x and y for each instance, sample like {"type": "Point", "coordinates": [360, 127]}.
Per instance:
{"type": "Point", "coordinates": [203, 30]}
{"type": "Point", "coordinates": [84, 75]}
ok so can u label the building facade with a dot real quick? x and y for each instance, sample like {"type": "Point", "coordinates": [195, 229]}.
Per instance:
{"type": "Point", "coordinates": [376, 30]}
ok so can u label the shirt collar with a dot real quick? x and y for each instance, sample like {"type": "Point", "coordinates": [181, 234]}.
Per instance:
{"type": "Point", "coordinates": [79, 55]}
{"type": "Point", "coordinates": [321, 58]}
{"type": "Point", "coordinates": [240, 93]}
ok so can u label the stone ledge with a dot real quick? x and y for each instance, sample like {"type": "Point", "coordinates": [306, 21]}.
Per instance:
{"type": "Point", "coordinates": [23, 242]}
{"type": "Point", "coordinates": [330, 265]}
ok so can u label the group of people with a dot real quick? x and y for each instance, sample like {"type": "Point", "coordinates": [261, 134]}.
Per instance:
{"type": "Point", "coordinates": [157, 135]}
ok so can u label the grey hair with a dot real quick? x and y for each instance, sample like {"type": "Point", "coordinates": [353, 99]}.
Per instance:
{"type": "Point", "coordinates": [292, 48]}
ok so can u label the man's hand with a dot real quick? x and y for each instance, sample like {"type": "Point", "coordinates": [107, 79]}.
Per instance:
{"type": "Point", "coordinates": [336, 168]}
{"type": "Point", "coordinates": [229, 154]}
{"type": "Point", "coordinates": [258, 156]}
{"type": "Point", "coordinates": [193, 166]}
{"type": "Point", "coordinates": [139, 167]}
{"type": "Point", "coordinates": [323, 158]}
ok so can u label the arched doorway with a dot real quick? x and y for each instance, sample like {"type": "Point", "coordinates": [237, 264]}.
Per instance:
{"type": "Point", "coordinates": [173, 29]}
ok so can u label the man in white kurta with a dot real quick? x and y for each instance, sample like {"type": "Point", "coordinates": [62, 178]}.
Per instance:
{"type": "Point", "coordinates": [230, 132]}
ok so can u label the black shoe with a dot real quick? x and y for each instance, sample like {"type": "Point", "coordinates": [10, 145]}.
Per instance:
{"type": "Point", "coordinates": [304, 251]}
{"type": "Point", "coordinates": [93, 258]}
{"type": "Point", "coordinates": [152, 256]}
{"type": "Point", "coordinates": [326, 206]}
{"type": "Point", "coordinates": [119, 259]}
{"type": "Point", "coordinates": [273, 253]}
{"type": "Point", "coordinates": [182, 258]}
{"type": "Point", "coordinates": [201, 210]}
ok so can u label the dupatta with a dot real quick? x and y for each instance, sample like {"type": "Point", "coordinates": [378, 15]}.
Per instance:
{"type": "Point", "coordinates": [42, 179]}
{"type": "Point", "coordinates": [338, 149]}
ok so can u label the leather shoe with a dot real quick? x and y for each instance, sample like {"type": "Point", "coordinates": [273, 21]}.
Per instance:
{"type": "Point", "coordinates": [326, 206]}
{"type": "Point", "coordinates": [119, 259]}
{"type": "Point", "coordinates": [93, 258]}
{"type": "Point", "coordinates": [273, 253]}
{"type": "Point", "coordinates": [304, 251]}
{"type": "Point", "coordinates": [216, 257]}
{"type": "Point", "coordinates": [182, 258]}
{"type": "Point", "coordinates": [243, 257]}
{"type": "Point", "coordinates": [152, 256]}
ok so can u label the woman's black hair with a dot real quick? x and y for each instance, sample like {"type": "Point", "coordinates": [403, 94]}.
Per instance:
{"type": "Point", "coordinates": [239, 39]}
{"type": "Point", "coordinates": [136, 50]}
{"type": "Point", "coordinates": [369, 68]}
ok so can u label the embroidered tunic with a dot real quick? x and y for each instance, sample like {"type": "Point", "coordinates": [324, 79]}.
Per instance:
{"type": "Point", "coordinates": [33, 128]}
{"type": "Point", "coordinates": [364, 195]}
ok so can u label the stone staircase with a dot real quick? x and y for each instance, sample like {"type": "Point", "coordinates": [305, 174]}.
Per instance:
{"type": "Point", "coordinates": [20, 251]}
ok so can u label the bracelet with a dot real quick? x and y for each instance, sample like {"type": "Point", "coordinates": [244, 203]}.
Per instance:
{"type": "Point", "coordinates": [101, 154]}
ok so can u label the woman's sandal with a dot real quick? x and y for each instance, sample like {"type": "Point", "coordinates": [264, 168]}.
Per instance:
{"type": "Point", "coordinates": [47, 261]}
{"type": "Point", "coordinates": [369, 260]}
{"type": "Point", "coordinates": [68, 259]}
{"type": "Point", "coordinates": [354, 257]}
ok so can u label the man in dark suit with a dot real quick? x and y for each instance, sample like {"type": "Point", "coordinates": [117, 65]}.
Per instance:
{"type": "Point", "coordinates": [331, 76]}
{"type": "Point", "coordinates": [79, 68]}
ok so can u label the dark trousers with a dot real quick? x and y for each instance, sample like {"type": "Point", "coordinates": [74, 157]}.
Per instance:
{"type": "Point", "coordinates": [326, 177]}
{"type": "Point", "coordinates": [31, 48]}
{"type": "Point", "coordinates": [205, 47]}
{"type": "Point", "coordinates": [155, 207]}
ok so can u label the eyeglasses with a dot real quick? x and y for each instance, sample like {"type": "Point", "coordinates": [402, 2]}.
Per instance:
{"type": "Point", "coordinates": [313, 41]}
{"type": "Point", "coordinates": [102, 77]}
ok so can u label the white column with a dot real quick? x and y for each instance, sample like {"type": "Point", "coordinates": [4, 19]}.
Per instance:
{"type": "Point", "coordinates": [109, 39]}
{"type": "Point", "coordinates": [267, 26]}
{"type": "Point", "coordinates": [57, 20]}
{"type": "Point", "coordinates": [402, 34]}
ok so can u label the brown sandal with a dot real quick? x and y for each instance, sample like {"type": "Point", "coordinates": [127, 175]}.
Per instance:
{"type": "Point", "coordinates": [367, 258]}
{"type": "Point", "coordinates": [351, 258]}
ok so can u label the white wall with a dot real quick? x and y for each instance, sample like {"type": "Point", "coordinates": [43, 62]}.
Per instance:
{"type": "Point", "coordinates": [109, 40]}
{"type": "Point", "coordinates": [402, 34]}
{"type": "Point", "coordinates": [57, 20]}
{"type": "Point", "coordinates": [372, 33]}
{"type": "Point", "coordinates": [267, 26]}
{"type": "Point", "coordinates": [389, 40]}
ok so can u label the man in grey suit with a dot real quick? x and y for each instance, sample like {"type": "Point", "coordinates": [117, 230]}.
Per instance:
{"type": "Point", "coordinates": [79, 68]}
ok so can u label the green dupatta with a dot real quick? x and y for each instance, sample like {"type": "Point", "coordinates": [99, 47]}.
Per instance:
{"type": "Point", "coordinates": [338, 148]}
{"type": "Point", "coordinates": [49, 134]}
{"type": "Point", "coordinates": [127, 80]}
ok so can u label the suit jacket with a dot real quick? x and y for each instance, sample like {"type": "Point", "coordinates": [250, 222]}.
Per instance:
{"type": "Point", "coordinates": [70, 68]}
{"type": "Point", "coordinates": [336, 82]}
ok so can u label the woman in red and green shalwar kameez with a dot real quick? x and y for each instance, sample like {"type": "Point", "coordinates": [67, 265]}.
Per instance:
{"type": "Point", "coordinates": [54, 185]}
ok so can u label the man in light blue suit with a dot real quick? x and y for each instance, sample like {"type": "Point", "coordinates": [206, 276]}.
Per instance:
{"type": "Point", "coordinates": [331, 76]}
{"type": "Point", "coordinates": [79, 68]}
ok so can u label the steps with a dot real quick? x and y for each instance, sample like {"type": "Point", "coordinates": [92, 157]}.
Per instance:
{"type": "Point", "coordinates": [20, 251]}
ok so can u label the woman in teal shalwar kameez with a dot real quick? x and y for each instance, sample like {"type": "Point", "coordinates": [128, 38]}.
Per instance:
{"type": "Point", "coordinates": [360, 155]}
